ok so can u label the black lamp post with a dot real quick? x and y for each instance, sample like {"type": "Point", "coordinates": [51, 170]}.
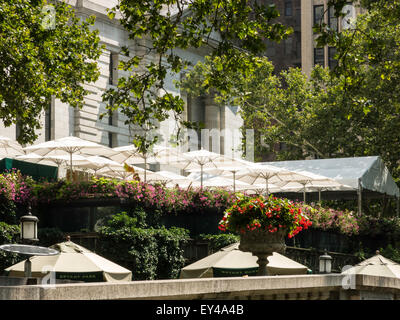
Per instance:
{"type": "Point", "coordinates": [29, 228]}
{"type": "Point", "coordinates": [29, 235]}
{"type": "Point", "coordinates": [325, 263]}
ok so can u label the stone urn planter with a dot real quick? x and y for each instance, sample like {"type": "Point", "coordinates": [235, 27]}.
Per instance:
{"type": "Point", "coordinates": [262, 243]}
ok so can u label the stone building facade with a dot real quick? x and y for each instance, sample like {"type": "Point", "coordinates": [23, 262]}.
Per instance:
{"type": "Point", "coordinates": [287, 53]}
{"type": "Point", "coordinates": [313, 12]}
{"type": "Point", "coordinates": [62, 120]}
{"type": "Point", "coordinates": [222, 124]}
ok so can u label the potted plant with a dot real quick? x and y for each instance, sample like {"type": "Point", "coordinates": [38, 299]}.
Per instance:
{"type": "Point", "coordinates": [263, 223]}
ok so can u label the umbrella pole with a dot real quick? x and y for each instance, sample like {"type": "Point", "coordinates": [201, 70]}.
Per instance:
{"type": "Point", "coordinates": [359, 197]}
{"type": "Point", "coordinates": [201, 175]}
{"type": "Point", "coordinates": [319, 194]}
{"type": "Point", "coordinates": [70, 164]}
{"type": "Point", "coordinates": [304, 194]}
{"type": "Point", "coordinates": [145, 167]}
{"type": "Point", "coordinates": [266, 186]}
{"type": "Point", "coordinates": [234, 182]}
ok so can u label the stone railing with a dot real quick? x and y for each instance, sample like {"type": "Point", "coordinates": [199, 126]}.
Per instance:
{"type": "Point", "coordinates": [303, 287]}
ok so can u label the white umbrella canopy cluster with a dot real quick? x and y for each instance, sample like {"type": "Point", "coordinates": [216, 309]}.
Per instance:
{"type": "Point", "coordinates": [130, 155]}
{"type": "Point", "coordinates": [169, 178]}
{"type": "Point", "coordinates": [69, 146]}
{"type": "Point", "coordinates": [211, 162]}
{"type": "Point", "coordinates": [233, 173]}
{"type": "Point", "coordinates": [67, 149]}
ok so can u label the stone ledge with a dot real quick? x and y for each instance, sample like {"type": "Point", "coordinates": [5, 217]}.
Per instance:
{"type": "Point", "coordinates": [211, 288]}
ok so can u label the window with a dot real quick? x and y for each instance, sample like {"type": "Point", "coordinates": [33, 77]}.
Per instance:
{"type": "Point", "coordinates": [288, 44]}
{"type": "Point", "coordinates": [288, 8]}
{"type": "Point", "coordinates": [17, 129]}
{"type": "Point", "coordinates": [47, 123]}
{"type": "Point", "coordinates": [319, 57]}
{"type": "Point", "coordinates": [110, 118]}
{"type": "Point", "coordinates": [111, 139]}
{"type": "Point", "coordinates": [331, 57]}
{"type": "Point", "coordinates": [113, 68]}
{"type": "Point", "coordinates": [318, 14]}
{"type": "Point", "coordinates": [270, 48]}
{"type": "Point", "coordinates": [332, 20]}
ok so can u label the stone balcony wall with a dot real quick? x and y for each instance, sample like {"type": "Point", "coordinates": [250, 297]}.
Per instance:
{"type": "Point", "coordinates": [305, 287]}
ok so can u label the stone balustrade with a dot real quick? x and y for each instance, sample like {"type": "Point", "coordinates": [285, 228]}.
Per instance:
{"type": "Point", "coordinates": [300, 287]}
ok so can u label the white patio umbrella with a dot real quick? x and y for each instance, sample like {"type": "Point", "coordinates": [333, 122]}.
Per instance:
{"type": "Point", "coordinates": [230, 261]}
{"type": "Point", "coordinates": [31, 157]}
{"type": "Point", "coordinates": [96, 163]}
{"type": "Point", "coordinates": [230, 168]}
{"type": "Point", "coordinates": [118, 171]}
{"type": "Point", "coordinates": [10, 148]}
{"type": "Point", "coordinates": [201, 159]}
{"type": "Point", "coordinates": [131, 155]}
{"type": "Point", "coordinates": [74, 262]}
{"type": "Point", "coordinates": [209, 180]}
{"type": "Point", "coordinates": [377, 265]}
{"type": "Point", "coordinates": [257, 174]}
{"type": "Point", "coordinates": [167, 177]}
{"type": "Point", "coordinates": [319, 183]}
{"type": "Point", "coordinates": [57, 159]}
{"type": "Point", "coordinates": [267, 175]}
{"type": "Point", "coordinates": [70, 145]}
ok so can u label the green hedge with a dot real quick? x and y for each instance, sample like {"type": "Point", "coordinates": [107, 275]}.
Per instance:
{"type": "Point", "coordinates": [150, 253]}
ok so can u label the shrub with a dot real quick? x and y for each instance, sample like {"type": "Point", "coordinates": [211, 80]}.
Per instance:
{"type": "Point", "coordinates": [8, 234]}
{"type": "Point", "coordinates": [150, 253]}
{"type": "Point", "coordinates": [8, 210]}
{"type": "Point", "coordinates": [374, 226]}
{"type": "Point", "coordinates": [16, 187]}
{"type": "Point", "coordinates": [170, 251]}
{"type": "Point", "coordinates": [219, 241]}
{"type": "Point", "coordinates": [49, 236]}
{"type": "Point", "coordinates": [391, 253]}
{"type": "Point", "coordinates": [342, 221]}
{"type": "Point", "coordinates": [154, 197]}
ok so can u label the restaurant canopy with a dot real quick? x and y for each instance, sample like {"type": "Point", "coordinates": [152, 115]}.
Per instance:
{"type": "Point", "coordinates": [368, 174]}
{"type": "Point", "coordinates": [74, 262]}
{"type": "Point", "coordinates": [232, 262]}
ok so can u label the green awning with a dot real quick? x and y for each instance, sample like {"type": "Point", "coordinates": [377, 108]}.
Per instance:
{"type": "Point", "coordinates": [36, 171]}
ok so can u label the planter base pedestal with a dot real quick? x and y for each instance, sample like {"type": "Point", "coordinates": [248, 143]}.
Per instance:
{"type": "Point", "coordinates": [262, 264]}
{"type": "Point", "coordinates": [263, 244]}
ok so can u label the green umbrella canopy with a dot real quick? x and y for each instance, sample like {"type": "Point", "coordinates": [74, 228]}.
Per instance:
{"type": "Point", "coordinates": [231, 261]}
{"type": "Point", "coordinates": [74, 263]}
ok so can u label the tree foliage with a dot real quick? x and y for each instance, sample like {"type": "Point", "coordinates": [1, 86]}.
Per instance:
{"type": "Point", "coordinates": [161, 30]}
{"type": "Point", "coordinates": [368, 75]}
{"type": "Point", "coordinates": [45, 51]}
{"type": "Point", "coordinates": [353, 110]}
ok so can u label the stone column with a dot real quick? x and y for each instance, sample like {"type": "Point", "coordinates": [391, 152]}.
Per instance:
{"type": "Point", "coordinates": [307, 41]}
{"type": "Point", "coordinates": [212, 119]}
